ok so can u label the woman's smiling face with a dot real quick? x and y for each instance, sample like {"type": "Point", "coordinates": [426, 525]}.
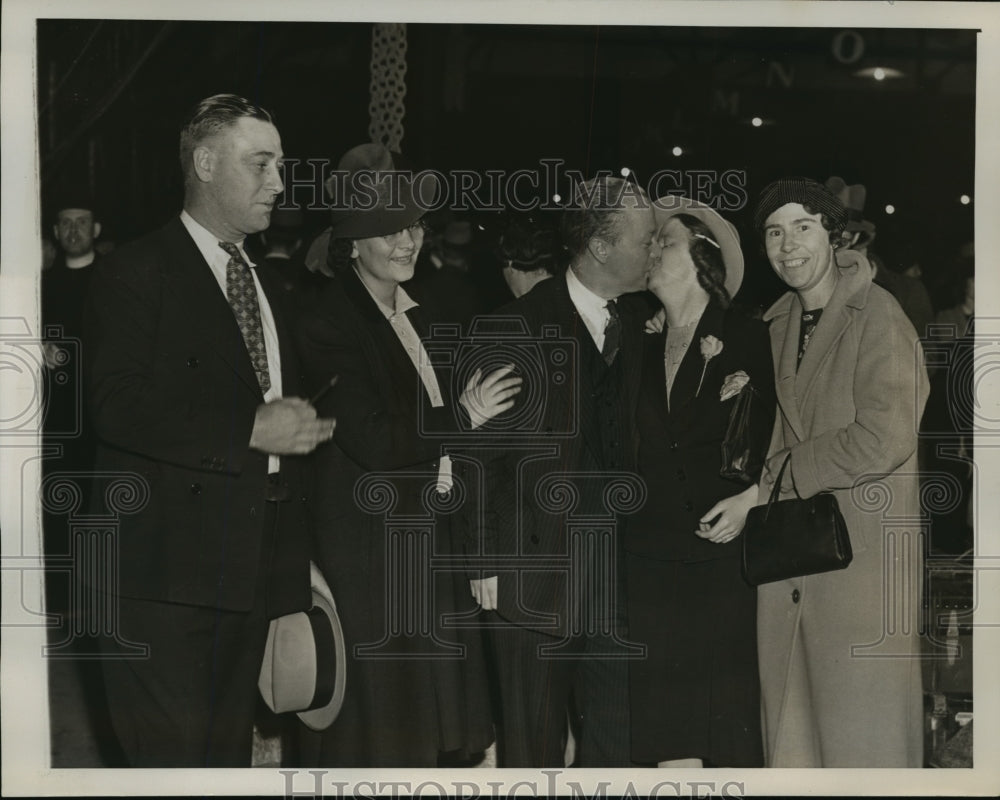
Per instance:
{"type": "Point", "coordinates": [389, 259]}
{"type": "Point", "coordinates": [798, 247]}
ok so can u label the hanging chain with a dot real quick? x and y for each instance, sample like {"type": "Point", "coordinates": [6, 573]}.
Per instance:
{"type": "Point", "coordinates": [388, 84]}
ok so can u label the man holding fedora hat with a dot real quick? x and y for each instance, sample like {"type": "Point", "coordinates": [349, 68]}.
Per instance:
{"type": "Point", "coordinates": [192, 381]}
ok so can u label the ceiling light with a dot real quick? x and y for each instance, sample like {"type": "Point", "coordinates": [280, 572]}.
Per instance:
{"type": "Point", "coordinates": [879, 73]}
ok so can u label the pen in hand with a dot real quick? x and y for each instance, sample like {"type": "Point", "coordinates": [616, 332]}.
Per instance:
{"type": "Point", "coordinates": [319, 395]}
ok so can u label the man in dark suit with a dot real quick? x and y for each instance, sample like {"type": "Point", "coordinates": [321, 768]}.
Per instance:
{"type": "Point", "coordinates": [195, 397]}
{"type": "Point", "coordinates": [558, 632]}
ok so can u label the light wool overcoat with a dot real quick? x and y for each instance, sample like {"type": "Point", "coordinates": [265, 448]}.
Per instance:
{"type": "Point", "coordinates": [839, 651]}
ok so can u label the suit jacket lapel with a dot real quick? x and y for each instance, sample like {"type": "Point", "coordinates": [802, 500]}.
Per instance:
{"type": "Point", "coordinates": [685, 389]}
{"type": "Point", "coordinates": [633, 353]}
{"type": "Point", "coordinates": [199, 292]}
{"type": "Point", "coordinates": [571, 324]}
{"type": "Point", "coordinates": [656, 384]}
{"type": "Point", "coordinates": [275, 299]}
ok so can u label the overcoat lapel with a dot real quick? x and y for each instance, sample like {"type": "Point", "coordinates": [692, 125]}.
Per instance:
{"type": "Point", "coordinates": [784, 317]}
{"type": "Point", "coordinates": [198, 292]}
{"type": "Point", "coordinates": [834, 322]}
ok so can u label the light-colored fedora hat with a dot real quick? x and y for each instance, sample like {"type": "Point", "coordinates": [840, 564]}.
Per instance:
{"type": "Point", "coordinates": [305, 660]}
{"type": "Point", "coordinates": [725, 233]}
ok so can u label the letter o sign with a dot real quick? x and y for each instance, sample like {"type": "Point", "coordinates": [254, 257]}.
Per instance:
{"type": "Point", "coordinates": [848, 46]}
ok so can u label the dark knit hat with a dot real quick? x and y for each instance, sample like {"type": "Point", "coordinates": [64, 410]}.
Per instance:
{"type": "Point", "coordinates": [810, 194]}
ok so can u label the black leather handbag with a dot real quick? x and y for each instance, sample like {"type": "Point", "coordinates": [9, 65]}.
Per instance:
{"type": "Point", "coordinates": [746, 440]}
{"type": "Point", "coordinates": [791, 538]}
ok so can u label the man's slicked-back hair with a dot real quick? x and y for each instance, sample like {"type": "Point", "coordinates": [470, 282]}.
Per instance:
{"type": "Point", "coordinates": [596, 212]}
{"type": "Point", "coordinates": [212, 115]}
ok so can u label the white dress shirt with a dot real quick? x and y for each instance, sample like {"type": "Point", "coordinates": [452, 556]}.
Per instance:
{"type": "Point", "coordinates": [592, 308]}
{"type": "Point", "coordinates": [218, 259]}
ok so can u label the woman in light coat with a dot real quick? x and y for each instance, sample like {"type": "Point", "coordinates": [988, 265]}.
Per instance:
{"type": "Point", "coordinates": [839, 651]}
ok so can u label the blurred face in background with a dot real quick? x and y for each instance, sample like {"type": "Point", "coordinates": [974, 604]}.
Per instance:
{"type": "Point", "coordinates": [75, 230]}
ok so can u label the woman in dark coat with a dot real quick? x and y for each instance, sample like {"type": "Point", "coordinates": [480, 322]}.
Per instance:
{"type": "Point", "coordinates": [385, 494]}
{"type": "Point", "coordinates": [695, 697]}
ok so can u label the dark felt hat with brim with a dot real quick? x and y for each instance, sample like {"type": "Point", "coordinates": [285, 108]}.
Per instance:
{"type": "Point", "coordinates": [372, 196]}
{"type": "Point", "coordinates": [724, 233]}
{"type": "Point", "coordinates": [305, 658]}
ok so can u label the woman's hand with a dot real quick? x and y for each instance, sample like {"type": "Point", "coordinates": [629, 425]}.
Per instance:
{"type": "Point", "coordinates": [655, 323]}
{"type": "Point", "coordinates": [484, 590]}
{"type": "Point", "coordinates": [732, 514]}
{"type": "Point", "coordinates": [484, 398]}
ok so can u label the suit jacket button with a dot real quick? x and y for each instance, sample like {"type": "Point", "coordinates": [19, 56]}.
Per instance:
{"type": "Point", "coordinates": [192, 362]}
{"type": "Point", "coordinates": [195, 488]}
{"type": "Point", "coordinates": [673, 445]}
{"type": "Point", "coordinates": [795, 595]}
{"type": "Point", "coordinates": [534, 538]}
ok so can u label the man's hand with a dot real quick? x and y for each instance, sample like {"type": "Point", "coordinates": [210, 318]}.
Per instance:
{"type": "Point", "coordinates": [485, 592]}
{"type": "Point", "coordinates": [289, 427]}
{"type": "Point", "coordinates": [483, 398]}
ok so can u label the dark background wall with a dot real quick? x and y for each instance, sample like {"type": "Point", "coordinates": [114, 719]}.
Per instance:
{"type": "Point", "coordinates": [495, 97]}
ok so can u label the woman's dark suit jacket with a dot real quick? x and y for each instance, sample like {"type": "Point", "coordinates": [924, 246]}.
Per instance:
{"type": "Point", "coordinates": [679, 449]}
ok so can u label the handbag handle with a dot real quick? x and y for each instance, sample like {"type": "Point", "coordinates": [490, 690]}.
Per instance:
{"type": "Point", "coordinates": [776, 489]}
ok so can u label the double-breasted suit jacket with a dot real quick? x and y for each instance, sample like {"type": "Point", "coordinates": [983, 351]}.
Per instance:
{"type": "Point", "coordinates": [173, 396]}
{"type": "Point", "coordinates": [839, 651]}
{"type": "Point", "coordinates": [560, 444]}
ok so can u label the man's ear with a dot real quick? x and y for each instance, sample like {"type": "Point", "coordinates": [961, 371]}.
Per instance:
{"type": "Point", "coordinates": [97, 229]}
{"type": "Point", "coordinates": [354, 250]}
{"type": "Point", "coordinates": [204, 163]}
{"type": "Point", "coordinates": [598, 249]}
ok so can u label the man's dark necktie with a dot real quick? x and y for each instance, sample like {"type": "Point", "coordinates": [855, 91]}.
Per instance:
{"type": "Point", "coordinates": [242, 295]}
{"type": "Point", "coordinates": [612, 333]}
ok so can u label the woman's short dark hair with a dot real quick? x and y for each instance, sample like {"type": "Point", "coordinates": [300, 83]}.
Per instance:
{"type": "Point", "coordinates": [338, 255]}
{"type": "Point", "coordinates": [709, 267]}
{"type": "Point", "coordinates": [528, 246]}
